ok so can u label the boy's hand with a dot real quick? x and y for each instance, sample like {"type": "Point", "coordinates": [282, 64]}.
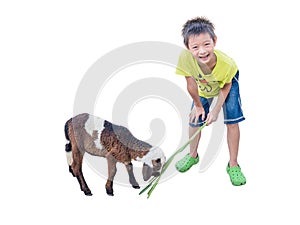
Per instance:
{"type": "Point", "coordinates": [212, 116]}
{"type": "Point", "coordinates": [196, 113]}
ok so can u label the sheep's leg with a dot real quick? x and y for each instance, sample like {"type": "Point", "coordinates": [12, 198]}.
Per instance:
{"type": "Point", "coordinates": [112, 170]}
{"type": "Point", "coordinates": [69, 157]}
{"type": "Point", "coordinates": [71, 171]}
{"type": "Point", "coordinates": [132, 179]}
{"type": "Point", "coordinates": [77, 170]}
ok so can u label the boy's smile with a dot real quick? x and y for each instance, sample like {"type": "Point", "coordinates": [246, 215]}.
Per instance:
{"type": "Point", "coordinates": [204, 57]}
{"type": "Point", "coordinates": [202, 48]}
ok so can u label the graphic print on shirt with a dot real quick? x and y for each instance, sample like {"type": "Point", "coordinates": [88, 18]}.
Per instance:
{"type": "Point", "coordinates": [205, 87]}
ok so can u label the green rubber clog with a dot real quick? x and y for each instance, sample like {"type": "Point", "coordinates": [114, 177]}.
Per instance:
{"type": "Point", "coordinates": [237, 178]}
{"type": "Point", "coordinates": [186, 163]}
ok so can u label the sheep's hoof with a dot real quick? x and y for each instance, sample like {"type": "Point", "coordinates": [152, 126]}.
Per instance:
{"type": "Point", "coordinates": [88, 193]}
{"type": "Point", "coordinates": [136, 186]}
{"type": "Point", "coordinates": [109, 192]}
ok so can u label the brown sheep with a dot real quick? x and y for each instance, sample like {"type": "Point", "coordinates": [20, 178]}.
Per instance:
{"type": "Point", "coordinates": [98, 137]}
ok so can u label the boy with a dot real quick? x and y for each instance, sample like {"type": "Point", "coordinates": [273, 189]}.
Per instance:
{"type": "Point", "coordinates": [210, 73]}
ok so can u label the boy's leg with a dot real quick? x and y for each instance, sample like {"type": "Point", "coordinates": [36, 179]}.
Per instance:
{"type": "Point", "coordinates": [233, 140]}
{"type": "Point", "coordinates": [233, 169]}
{"type": "Point", "coordinates": [233, 114]}
{"type": "Point", "coordinates": [194, 144]}
{"type": "Point", "coordinates": [192, 158]}
{"type": "Point", "coordinates": [194, 127]}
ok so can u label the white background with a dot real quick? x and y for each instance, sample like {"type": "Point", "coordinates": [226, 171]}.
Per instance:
{"type": "Point", "coordinates": [47, 46]}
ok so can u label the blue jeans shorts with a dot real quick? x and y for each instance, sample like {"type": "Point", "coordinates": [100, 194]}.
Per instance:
{"type": "Point", "coordinates": [232, 107]}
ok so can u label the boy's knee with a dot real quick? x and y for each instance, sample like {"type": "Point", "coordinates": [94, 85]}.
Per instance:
{"type": "Point", "coordinates": [232, 126]}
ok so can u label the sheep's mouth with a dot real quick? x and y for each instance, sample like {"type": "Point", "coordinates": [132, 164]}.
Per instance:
{"type": "Point", "coordinates": [149, 171]}
{"type": "Point", "coordinates": [155, 174]}
{"type": "Point", "coordinates": [146, 176]}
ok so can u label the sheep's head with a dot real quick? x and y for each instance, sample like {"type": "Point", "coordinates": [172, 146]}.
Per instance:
{"type": "Point", "coordinates": [153, 162]}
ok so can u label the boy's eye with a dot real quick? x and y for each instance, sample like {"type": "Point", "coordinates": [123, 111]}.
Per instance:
{"type": "Point", "coordinates": [195, 47]}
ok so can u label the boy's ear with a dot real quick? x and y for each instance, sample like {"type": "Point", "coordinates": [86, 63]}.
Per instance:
{"type": "Point", "coordinates": [187, 46]}
{"type": "Point", "coordinates": [215, 40]}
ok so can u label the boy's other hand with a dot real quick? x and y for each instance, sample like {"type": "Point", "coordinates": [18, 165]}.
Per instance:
{"type": "Point", "coordinates": [196, 113]}
{"type": "Point", "coordinates": [212, 117]}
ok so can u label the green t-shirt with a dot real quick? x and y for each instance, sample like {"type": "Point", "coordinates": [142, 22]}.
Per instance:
{"type": "Point", "coordinates": [209, 85]}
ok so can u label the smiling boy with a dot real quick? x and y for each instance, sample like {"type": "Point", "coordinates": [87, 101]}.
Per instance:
{"type": "Point", "coordinates": [210, 73]}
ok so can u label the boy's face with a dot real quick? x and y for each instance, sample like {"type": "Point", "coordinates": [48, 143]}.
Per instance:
{"type": "Point", "coordinates": [202, 48]}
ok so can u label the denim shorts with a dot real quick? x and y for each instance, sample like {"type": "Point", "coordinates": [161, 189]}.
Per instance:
{"type": "Point", "coordinates": [232, 107]}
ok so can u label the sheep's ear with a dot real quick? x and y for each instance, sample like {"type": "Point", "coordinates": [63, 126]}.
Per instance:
{"type": "Point", "coordinates": [147, 172]}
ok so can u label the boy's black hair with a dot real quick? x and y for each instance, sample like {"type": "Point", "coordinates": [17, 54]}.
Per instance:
{"type": "Point", "coordinates": [197, 26]}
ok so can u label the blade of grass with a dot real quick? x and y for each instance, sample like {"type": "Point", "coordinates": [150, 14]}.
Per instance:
{"type": "Point", "coordinates": [153, 186]}
{"type": "Point", "coordinates": [168, 162]}
{"type": "Point", "coordinates": [148, 186]}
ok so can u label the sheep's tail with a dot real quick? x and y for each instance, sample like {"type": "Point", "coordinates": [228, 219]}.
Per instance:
{"type": "Point", "coordinates": [68, 147]}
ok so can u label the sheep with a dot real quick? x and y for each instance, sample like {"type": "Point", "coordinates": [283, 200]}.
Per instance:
{"type": "Point", "coordinates": [99, 137]}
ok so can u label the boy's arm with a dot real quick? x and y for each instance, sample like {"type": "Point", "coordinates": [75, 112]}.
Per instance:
{"type": "Point", "coordinates": [198, 109]}
{"type": "Point", "coordinates": [213, 115]}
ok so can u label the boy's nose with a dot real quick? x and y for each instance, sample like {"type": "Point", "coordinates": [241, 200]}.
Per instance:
{"type": "Point", "coordinates": [201, 51]}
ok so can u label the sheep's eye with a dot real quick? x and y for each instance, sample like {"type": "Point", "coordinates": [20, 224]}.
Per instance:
{"type": "Point", "coordinates": [158, 160]}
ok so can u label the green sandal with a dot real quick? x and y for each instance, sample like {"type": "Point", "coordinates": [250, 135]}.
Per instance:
{"type": "Point", "coordinates": [237, 178]}
{"type": "Point", "coordinates": [186, 163]}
